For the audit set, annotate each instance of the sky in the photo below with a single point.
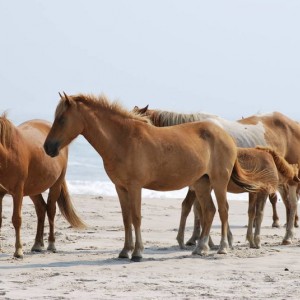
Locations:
(230, 58)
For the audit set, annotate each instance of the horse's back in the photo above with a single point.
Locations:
(35, 132)
(281, 133)
(36, 126)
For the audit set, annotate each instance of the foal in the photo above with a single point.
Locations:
(261, 158)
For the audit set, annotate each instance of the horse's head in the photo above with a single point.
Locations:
(66, 127)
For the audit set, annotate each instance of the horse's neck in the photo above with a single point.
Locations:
(105, 132)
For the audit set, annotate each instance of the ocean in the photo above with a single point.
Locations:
(86, 175)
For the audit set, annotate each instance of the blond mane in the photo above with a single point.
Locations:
(168, 118)
(5, 131)
(100, 102)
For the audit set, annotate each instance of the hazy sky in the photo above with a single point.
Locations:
(230, 58)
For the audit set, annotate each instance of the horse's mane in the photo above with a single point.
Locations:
(5, 130)
(167, 118)
(288, 170)
(100, 102)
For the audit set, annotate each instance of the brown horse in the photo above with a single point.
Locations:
(275, 130)
(138, 155)
(25, 170)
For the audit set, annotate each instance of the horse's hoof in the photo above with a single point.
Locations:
(18, 255)
(286, 242)
(123, 254)
(200, 252)
(52, 249)
(276, 224)
(37, 248)
(296, 225)
(222, 251)
(136, 258)
(190, 243)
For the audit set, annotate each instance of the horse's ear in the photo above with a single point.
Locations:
(68, 101)
(60, 95)
(143, 110)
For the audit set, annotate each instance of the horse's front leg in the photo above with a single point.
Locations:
(17, 222)
(135, 198)
(292, 200)
(41, 209)
(127, 221)
(261, 202)
(185, 210)
(273, 200)
(251, 218)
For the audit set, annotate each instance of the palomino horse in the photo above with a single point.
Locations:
(138, 155)
(275, 130)
(25, 170)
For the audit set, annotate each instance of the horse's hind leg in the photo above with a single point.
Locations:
(223, 212)
(127, 221)
(252, 207)
(292, 200)
(261, 201)
(40, 208)
(185, 210)
(197, 227)
(1, 198)
(54, 193)
(273, 200)
(17, 222)
(203, 191)
(296, 218)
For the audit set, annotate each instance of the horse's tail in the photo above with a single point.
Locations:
(289, 171)
(67, 209)
(254, 180)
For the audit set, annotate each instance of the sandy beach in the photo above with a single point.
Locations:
(86, 264)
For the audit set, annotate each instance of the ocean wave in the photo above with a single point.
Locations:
(107, 188)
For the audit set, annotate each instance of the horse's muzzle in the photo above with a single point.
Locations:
(51, 148)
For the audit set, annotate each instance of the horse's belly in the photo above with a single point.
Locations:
(41, 178)
(163, 187)
(169, 183)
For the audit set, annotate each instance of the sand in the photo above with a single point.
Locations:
(86, 264)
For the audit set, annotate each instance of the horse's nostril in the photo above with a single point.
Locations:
(51, 148)
(46, 148)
